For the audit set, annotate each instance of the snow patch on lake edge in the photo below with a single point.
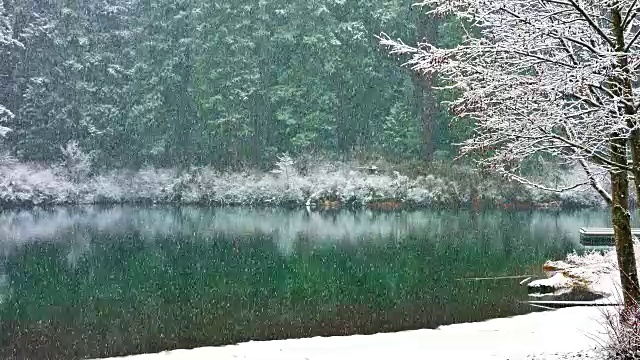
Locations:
(341, 184)
(597, 272)
(558, 334)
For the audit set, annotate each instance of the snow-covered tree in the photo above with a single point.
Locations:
(8, 45)
(553, 78)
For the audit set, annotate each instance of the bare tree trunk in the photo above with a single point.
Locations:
(427, 30)
(621, 221)
(634, 143)
(621, 86)
(428, 111)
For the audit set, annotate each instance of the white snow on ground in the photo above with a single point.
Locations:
(597, 271)
(557, 281)
(559, 334)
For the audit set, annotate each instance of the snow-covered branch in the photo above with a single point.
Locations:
(549, 76)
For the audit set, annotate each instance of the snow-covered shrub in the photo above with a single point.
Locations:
(150, 185)
(622, 326)
(146, 185)
(420, 197)
(103, 189)
(284, 168)
(6, 159)
(28, 184)
(76, 162)
(338, 183)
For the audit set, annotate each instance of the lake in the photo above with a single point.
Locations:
(86, 282)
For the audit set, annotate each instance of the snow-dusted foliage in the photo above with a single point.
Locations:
(323, 186)
(22, 184)
(76, 161)
(7, 45)
(5, 116)
(546, 77)
(146, 185)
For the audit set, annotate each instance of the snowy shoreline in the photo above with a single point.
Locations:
(596, 272)
(326, 186)
(567, 333)
(551, 335)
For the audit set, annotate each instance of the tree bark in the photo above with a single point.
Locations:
(427, 30)
(624, 88)
(621, 221)
(621, 86)
(634, 143)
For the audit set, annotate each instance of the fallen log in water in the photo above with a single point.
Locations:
(494, 278)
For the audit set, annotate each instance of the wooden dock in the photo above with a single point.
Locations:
(600, 236)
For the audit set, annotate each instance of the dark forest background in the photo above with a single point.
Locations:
(229, 83)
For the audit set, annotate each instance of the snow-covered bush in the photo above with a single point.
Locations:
(146, 185)
(6, 159)
(285, 169)
(27, 184)
(622, 326)
(336, 184)
(103, 189)
(76, 162)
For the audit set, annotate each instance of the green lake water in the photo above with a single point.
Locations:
(87, 282)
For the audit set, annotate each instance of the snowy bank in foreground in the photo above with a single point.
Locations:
(328, 185)
(595, 271)
(561, 334)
